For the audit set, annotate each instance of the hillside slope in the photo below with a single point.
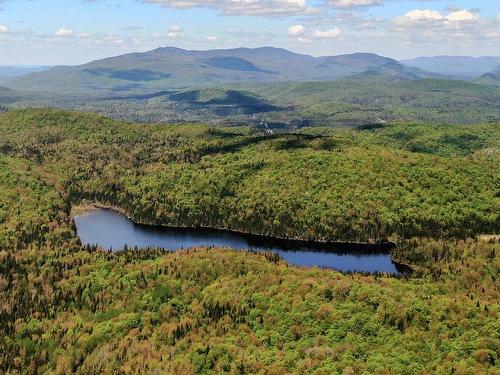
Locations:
(374, 97)
(461, 66)
(66, 308)
(492, 78)
(281, 185)
(173, 67)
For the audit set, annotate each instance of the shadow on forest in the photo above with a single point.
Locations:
(284, 142)
(230, 103)
(302, 141)
(141, 97)
(235, 146)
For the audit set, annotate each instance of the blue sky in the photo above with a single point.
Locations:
(76, 31)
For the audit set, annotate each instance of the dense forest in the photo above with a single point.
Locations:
(350, 102)
(362, 185)
(363, 99)
(66, 308)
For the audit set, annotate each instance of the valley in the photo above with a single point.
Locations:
(250, 211)
(252, 87)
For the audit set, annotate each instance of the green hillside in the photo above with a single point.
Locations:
(167, 68)
(363, 185)
(364, 99)
(492, 78)
(72, 309)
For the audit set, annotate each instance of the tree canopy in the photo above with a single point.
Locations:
(66, 308)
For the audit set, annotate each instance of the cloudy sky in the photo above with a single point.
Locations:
(50, 32)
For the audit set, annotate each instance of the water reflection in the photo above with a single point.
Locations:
(111, 230)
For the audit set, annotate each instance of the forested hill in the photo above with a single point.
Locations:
(370, 98)
(365, 185)
(374, 97)
(170, 67)
(461, 66)
(71, 309)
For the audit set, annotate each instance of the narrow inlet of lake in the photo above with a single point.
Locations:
(111, 230)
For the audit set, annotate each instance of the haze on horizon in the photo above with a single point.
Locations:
(41, 32)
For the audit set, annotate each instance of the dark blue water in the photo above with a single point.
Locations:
(111, 230)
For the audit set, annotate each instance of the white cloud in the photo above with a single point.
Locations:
(446, 32)
(303, 35)
(462, 15)
(108, 39)
(327, 34)
(428, 15)
(64, 33)
(303, 40)
(211, 38)
(424, 14)
(174, 31)
(3, 29)
(244, 7)
(348, 4)
(296, 30)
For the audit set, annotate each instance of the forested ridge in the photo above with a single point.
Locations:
(67, 308)
(348, 102)
(344, 186)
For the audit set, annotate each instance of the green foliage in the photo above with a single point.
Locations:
(348, 185)
(359, 100)
(29, 206)
(442, 140)
(72, 309)
(270, 318)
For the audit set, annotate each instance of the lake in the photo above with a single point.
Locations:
(112, 231)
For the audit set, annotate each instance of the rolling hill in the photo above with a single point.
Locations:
(20, 70)
(491, 78)
(373, 97)
(458, 66)
(174, 68)
(382, 95)
(8, 96)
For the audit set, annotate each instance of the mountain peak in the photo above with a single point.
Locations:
(172, 67)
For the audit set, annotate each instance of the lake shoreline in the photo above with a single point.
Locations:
(380, 247)
(109, 229)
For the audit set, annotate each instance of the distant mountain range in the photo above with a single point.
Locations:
(459, 66)
(165, 68)
(20, 70)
